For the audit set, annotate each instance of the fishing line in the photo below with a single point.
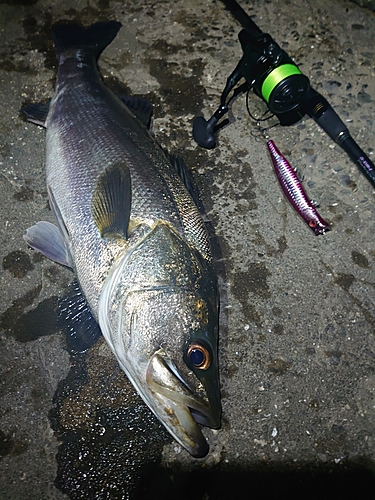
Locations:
(267, 115)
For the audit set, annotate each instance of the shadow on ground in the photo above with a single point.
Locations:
(350, 480)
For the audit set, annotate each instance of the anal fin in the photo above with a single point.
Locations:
(37, 113)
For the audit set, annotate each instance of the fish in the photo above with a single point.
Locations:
(129, 228)
(295, 192)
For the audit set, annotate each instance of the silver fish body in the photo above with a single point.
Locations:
(130, 230)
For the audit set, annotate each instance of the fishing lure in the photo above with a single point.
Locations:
(295, 192)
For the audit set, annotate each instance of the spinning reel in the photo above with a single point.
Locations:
(275, 78)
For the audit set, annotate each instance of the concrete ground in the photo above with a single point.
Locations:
(297, 345)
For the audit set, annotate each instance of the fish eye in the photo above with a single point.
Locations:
(199, 356)
(312, 223)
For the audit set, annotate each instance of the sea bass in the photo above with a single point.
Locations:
(129, 228)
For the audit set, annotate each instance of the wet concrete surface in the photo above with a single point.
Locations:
(297, 347)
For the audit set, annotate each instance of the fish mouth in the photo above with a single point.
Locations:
(178, 408)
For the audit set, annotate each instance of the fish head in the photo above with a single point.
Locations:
(182, 370)
(163, 330)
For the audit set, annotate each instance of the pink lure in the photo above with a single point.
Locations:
(295, 192)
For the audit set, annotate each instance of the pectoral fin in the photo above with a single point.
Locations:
(111, 202)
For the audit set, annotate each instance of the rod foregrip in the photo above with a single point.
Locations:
(326, 117)
(319, 108)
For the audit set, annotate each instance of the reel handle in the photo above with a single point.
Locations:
(204, 130)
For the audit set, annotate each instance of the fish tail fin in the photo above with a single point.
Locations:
(95, 38)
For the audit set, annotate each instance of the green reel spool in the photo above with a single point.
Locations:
(276, 76)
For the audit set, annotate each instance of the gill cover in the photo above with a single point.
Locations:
(158, 312)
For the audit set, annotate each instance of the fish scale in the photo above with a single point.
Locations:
(129, 228)
(70, 160)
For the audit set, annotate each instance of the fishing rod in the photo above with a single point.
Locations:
(275, 78)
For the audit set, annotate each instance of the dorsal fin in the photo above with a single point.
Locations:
(141, 107)
(185, 175)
